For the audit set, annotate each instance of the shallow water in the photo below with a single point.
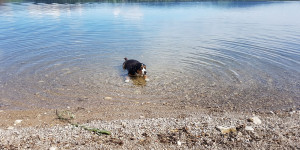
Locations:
(238, 55)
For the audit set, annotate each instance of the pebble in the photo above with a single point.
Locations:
(271, 112)
(249, 128)
(52, 148)
(179, 143)
(292, 112)
(10, 128)
(240, 134)
(137, 92)
(225, 130)
(108, 98)
(18, 121)
(255, 120)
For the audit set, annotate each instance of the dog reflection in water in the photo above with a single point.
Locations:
(136, 70)
(138, 80)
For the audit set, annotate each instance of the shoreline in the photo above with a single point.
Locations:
(149, 126)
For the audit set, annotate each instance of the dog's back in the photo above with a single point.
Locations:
(131, 65)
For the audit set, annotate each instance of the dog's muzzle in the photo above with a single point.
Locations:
(144, 71)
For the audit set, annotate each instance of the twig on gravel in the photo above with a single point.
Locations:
(94, 130)
(67, 116)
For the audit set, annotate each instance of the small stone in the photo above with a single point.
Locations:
(249, 128)
(179, 143)
(188, 128)
(131, 138)
(225, 130)
(292, 112)
(52, 148)
(137, 92)
(108, 98)
(142, 117)
(1, 111)
(255, 120)
(18, 121)
(10, 128)
(240, 134)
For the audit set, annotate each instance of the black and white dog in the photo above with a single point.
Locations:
(134, 68)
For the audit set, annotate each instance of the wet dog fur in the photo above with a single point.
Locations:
(134, 68)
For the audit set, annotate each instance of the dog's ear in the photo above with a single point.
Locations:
(138, 66)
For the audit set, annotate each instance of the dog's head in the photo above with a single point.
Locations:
(141, 69)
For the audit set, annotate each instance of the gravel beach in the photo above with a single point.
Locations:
(150, 126)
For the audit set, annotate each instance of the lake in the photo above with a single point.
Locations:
(236, 55)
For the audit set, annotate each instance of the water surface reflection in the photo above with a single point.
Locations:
(231, 54)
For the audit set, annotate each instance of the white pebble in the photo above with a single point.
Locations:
(18, 121)
(249, 128)
(255, 120)
(292, 112)
(52, 148)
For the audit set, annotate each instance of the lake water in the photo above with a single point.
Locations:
(236, 55)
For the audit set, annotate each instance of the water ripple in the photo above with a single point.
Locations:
(60, 54)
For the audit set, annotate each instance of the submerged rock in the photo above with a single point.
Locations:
(108, 98)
